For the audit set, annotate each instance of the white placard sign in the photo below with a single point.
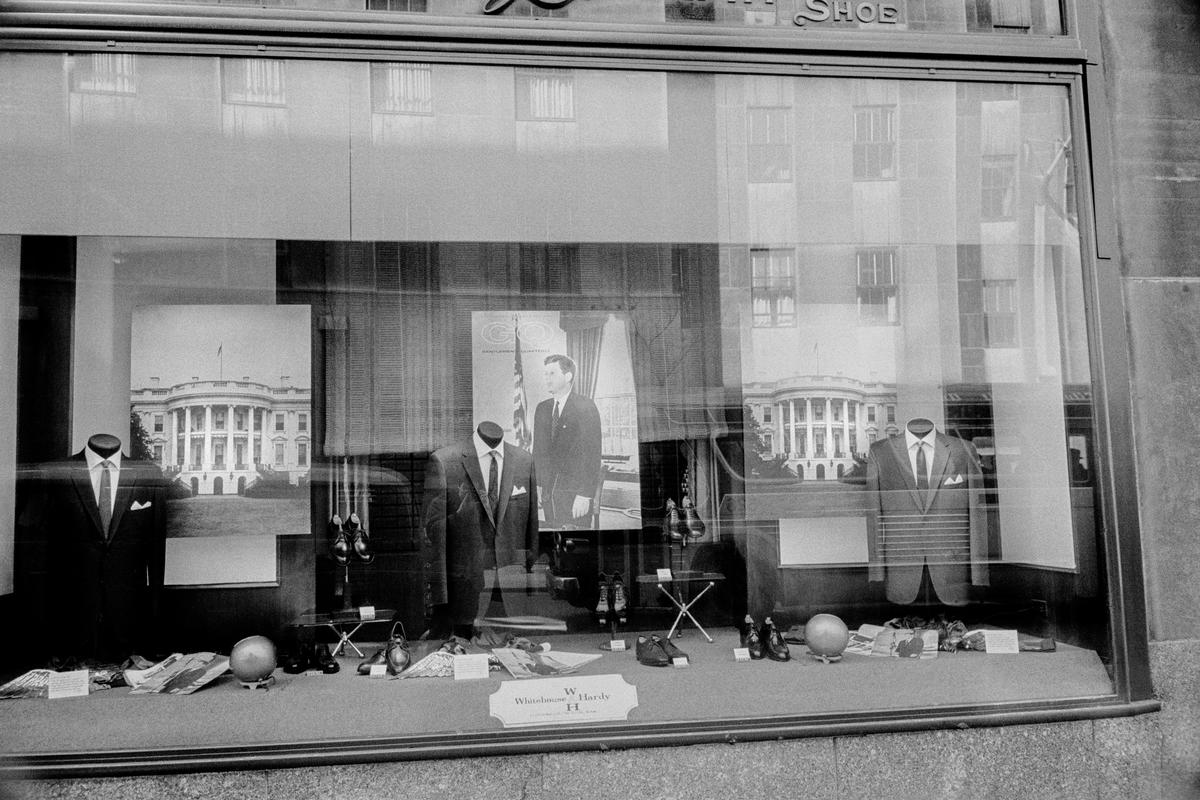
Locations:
(563, 701)
(68, 684)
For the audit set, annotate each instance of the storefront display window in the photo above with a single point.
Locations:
(744, 387)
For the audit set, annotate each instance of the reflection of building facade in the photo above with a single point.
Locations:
(220, 437)
(820, 423)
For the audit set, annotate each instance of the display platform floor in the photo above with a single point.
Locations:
(346, 706)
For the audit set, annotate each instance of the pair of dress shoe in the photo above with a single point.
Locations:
(350, 538)
(765, 641)
(612, 598)
(395, 655)
(655, 651)
(307, 657)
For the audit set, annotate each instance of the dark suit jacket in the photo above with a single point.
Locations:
(462, 539)
(944, 527)
(568, 457)
(99, 594)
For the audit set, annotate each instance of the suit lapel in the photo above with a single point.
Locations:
(471, 465)
(81, 477)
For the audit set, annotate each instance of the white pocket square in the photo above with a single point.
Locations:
(957, 479)
(518, 491)
(139, 506)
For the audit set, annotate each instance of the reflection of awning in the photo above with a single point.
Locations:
(982, 393)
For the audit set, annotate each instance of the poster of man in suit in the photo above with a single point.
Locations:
(572, 405)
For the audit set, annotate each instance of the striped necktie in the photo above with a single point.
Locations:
(105, 498)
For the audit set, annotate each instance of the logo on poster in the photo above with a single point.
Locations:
(533, 333)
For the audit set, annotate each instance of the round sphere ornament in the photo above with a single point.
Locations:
(252, 660)
(826, 637)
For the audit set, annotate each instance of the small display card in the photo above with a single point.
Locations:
(366, 612)
(68, 684)
(741, 654)
(563, 701)
(470, 666)
(664, 574)
(1001, 641)
(679, 662)
(616, 645)
(378, 671)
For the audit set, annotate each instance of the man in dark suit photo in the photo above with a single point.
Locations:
(480, 514)
(926, 512)
(566, 447)
(92, 536)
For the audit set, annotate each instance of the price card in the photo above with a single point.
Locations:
(616, 645)
(366, 612)
(741, 654)
(378, 671)
(68, 684)
(470, 666)
(1001, 642)
(679, 662)
(664, 574)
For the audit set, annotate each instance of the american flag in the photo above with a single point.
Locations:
(520, 424)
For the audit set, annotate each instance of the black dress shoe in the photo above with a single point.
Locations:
(397, 654)
(297, 661)
(323, 660)
(339, 548)
(670, 649)
(752, 641)
(777, 649)
(378, 658)
(650, 652)
(362, 547)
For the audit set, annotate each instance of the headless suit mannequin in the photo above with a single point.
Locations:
(492, 434)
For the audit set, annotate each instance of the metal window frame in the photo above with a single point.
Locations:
(1071, 60)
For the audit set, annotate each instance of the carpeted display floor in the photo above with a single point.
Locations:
(346, 706)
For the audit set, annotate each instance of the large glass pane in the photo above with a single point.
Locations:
(759, 348)
(938, 16)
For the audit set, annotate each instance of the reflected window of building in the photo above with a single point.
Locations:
(870, 413)
(104, 73)
(402, 89)
(874, 142)
(998, 179)
(1001, 16)
(690, 10)
(279, 454)
(769, 144)
(1000, 313)
(819, 412)
(158, 453)
(220, 420)
(158, 423)
(545, 94)
(773, 291)
(877, 286)
(279, 422)
(253, 81)
(414, 6)
(253, 97)
(766, 414)
(302, 422)
(301, 455)
(891, 415)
